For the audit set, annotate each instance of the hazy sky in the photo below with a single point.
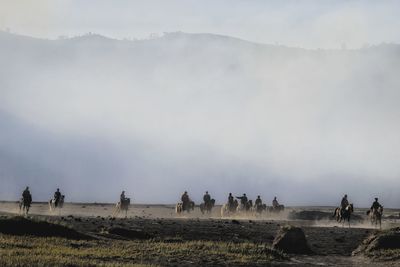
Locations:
(307, 23)
(201, 112)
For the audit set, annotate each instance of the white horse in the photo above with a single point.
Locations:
(60, 204)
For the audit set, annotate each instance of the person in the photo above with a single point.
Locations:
(230, 199)
(122, 197)
(185, 200)
(243, 200)
(26, 195)
(57, 197)
(275, 203)
(376, 205)
(207, 198)
(344, 203)
(258, 202)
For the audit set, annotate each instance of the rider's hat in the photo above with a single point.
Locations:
(376, 199)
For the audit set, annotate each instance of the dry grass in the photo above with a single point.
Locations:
(54, 251)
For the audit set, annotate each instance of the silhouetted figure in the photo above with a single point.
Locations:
(122, 197)
(344, 203)
(275, 203)
(185, 200)
(207, 198)
(376, 205)
(57, 197)
(26, 195)
(258, 201)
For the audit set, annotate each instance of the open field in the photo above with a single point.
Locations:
(154, 235)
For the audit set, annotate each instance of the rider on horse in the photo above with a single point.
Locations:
(207, 199)
(231, 202)
(185, 200)
(243, 200)
(343, 204)
(275, 203)
(57, 197)
(122, 198)
(258, 201)
(376, 205)
(26, 195)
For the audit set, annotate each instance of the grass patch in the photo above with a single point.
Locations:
(54, 251)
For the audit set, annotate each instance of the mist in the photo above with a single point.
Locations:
(95, 115)
(194, 112)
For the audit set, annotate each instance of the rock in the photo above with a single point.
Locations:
(389, 239)
(291, 240)
(235, 222)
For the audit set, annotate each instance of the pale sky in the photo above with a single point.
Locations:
(308, 23)
(201, 112)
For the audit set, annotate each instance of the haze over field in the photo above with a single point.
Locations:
(94, 115)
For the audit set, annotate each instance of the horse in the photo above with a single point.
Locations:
(122, 206)
(260, 208)
(60, 204)
(376, 216)
(246, 207)
(229, 209)
(344, 214)
(180, 208)
(207, 207)
(276, 209)
(24, 205)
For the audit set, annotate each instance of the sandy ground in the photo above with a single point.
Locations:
(331, 242)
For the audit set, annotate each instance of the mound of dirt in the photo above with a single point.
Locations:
(129, 233)
(310, 215)
(389, 239)
(291, 240)
(23, 226)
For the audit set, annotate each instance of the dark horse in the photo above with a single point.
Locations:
(24, 205)
(207, 207)
(343, 215)
(276, 209)
(181, 207)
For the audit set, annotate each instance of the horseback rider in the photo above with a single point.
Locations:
(26, 195)
(243, 200)
(185, 200)
(57, 197)
(343, 204)
(230, 199)
(376, 205)
(122, 197)
(207, 199)
(258, 202)
(275, 203)
(231, 202)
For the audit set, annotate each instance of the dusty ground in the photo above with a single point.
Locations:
(331, 242)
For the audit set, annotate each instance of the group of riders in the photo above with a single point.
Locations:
(56, 202)
(345, 210)
(234, 204)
